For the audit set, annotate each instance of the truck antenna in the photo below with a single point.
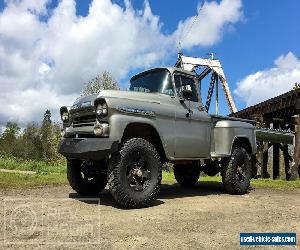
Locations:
(179, 47)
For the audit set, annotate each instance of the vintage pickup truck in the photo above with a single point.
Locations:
(122, 138)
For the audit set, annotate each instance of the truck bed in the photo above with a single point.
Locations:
(220, 117)
(262, 134)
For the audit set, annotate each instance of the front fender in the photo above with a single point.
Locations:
(119, 122)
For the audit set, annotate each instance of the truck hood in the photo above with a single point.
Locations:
(81, 101)
(115, 98)
(135, 96)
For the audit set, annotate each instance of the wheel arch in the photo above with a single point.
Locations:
(147, 132)
(243, 142)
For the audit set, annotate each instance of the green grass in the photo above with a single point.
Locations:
(8, 180)
(54, 173)
(269, 183)
(168, 177)
(47, 173)
(40, 167)
(13, 180)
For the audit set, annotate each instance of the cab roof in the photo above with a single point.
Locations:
(170, 69)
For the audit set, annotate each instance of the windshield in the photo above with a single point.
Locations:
(158, 81)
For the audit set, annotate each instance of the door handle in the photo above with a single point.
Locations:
(189, 114)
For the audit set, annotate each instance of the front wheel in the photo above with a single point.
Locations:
(135, 174)
(237, 172)
(86, 178)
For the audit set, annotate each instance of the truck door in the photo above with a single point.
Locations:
(192, 126)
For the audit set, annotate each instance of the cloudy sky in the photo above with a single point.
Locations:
(50, 48)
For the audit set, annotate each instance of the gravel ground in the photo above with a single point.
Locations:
(203, 217)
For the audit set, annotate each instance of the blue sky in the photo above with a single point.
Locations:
(268, 30)
(257, 42)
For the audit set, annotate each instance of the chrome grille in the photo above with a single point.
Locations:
(87, 120)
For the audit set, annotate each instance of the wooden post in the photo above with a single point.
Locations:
(265, 160)
(286, 157)
(275, 155)
(265, 152)
(276, 161)
(295, 164)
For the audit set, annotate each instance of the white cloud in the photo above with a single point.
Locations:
(208, 26)
(269, 83)
(47, 55)
(30, 104)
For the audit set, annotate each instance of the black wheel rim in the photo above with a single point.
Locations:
(138, 173)
(86, 172)
(241, 171)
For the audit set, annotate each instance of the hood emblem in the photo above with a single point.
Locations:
(137, 111)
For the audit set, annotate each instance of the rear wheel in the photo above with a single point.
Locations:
(186, 175)
(86, 178)
(135, 174)
(211, 168)
(237, 172)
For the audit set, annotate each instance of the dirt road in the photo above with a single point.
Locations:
(203, 217)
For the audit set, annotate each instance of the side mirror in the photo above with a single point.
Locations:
(187, 94)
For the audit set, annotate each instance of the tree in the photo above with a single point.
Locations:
(30, 143)
(11, 131)
(9, 137)
(100, 82)
(50, 135)
(35, 142)
(47, 116)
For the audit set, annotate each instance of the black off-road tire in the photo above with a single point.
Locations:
(80, 185)
(237, 172)
(121, 179)
(211, 168)
(186, 175)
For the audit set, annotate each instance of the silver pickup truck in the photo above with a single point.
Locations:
(122, 138)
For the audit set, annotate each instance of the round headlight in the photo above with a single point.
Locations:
(101, 109)
(65, 116)
(98, 130)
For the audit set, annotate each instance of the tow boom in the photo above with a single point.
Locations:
(192, 63)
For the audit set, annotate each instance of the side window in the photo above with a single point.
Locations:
(183, 82)
(167, 86)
